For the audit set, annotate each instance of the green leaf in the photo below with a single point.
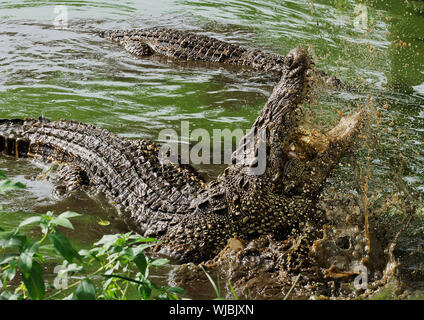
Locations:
(48, 215)
(7, 295)
(70, 297)
(48, 247)
(34, 282)
(147, 240)
(84, 253)
(103, 223)
(145, 290)
(9, 273)
(141, 263)
(292, 287)
(215, 287)
(141, 247)
(107, 240)
(166, 296)
(177, 290)
(7, 185)
(64, 222)
(232, 290)
(86, 290)
(30, 220)
(33, 249)
(25, 263)
(159, 262)
(69, 215)
(8, 257)
(2, 175)
(73, 267)
(5, 235)
(63, 246)
(127, 252)
(63, 219)
(12, 240)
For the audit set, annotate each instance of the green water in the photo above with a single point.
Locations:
(375, 47)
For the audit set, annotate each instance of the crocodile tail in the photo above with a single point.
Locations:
(129, 173)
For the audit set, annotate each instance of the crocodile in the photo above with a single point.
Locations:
(189, 46)
(272, 185)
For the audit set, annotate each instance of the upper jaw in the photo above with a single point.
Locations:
(310, 142)
(313, 154)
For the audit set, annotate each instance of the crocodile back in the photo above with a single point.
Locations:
(185, 45)
(151, 195)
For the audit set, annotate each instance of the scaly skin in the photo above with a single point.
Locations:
(172, 202)
(155, 195)
(185, 45)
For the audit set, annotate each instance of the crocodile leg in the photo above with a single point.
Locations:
(71, 178)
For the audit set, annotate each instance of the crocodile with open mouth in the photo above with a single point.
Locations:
(272, 186)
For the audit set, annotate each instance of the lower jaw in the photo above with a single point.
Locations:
(310, 141)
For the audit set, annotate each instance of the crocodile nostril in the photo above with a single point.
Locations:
(343, 242)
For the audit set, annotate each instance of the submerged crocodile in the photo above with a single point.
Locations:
(194, 219)
(185, 45)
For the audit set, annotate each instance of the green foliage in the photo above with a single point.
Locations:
(7, 184)
(291, 288)
(34, 282)
(388, 292)
(86, 290)
(119, 260)
(232, 290)
(106, 271)
(215, 286)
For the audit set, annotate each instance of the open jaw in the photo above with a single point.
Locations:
(310, 141)
(312, 153)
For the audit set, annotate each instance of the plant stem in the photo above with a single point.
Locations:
(292, 287)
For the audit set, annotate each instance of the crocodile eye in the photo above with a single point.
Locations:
(343, 242)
